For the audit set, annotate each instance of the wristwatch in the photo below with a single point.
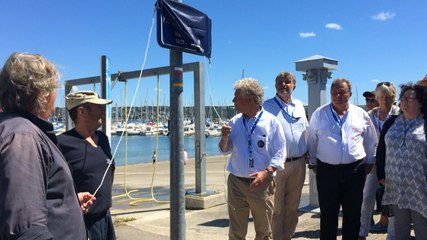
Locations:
(270, 172)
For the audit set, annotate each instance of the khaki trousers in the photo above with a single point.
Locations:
(289, 184)
(242, 201)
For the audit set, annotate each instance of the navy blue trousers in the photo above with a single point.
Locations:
(340, 186)
(100, 228)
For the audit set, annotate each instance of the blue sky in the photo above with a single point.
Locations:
(373, 41)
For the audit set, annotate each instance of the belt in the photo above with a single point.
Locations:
(344, 165)
(244, 179)
(294, 158)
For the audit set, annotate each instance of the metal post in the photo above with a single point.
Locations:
(316, 72)
(200, 145)
(68, 121)
(105, 93)
(316, 98)
(177, 186)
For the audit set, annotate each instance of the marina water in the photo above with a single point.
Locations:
(140, 148)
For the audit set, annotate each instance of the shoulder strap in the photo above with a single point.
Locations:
(425, 125)
(381, 148)
(388, 123)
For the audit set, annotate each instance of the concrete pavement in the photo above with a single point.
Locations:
(140, 210)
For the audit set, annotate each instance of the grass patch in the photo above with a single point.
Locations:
(122, 221)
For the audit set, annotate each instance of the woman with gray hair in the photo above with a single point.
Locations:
(37, 199)
(385, 93)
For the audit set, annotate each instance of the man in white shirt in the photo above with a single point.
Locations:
(290, 181)
(255, 139)
(341, 142)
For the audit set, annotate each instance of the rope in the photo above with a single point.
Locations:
(127, 193)
(127, 115)
(221, 120)
(153, 197)
(210, 93)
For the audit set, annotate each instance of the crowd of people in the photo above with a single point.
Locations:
(357, 154)
(60, 187)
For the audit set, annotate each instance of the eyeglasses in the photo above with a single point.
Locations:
(333, 93)
(408, 99)
(91, 106)
(244, 98)
(370, 100)
(388, 84)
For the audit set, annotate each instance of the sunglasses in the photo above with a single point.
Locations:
(388, 84)
(370, 100)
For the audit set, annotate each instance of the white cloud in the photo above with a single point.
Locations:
(375, 80)
(384, 16)
(335, 26)
(307, 34)
(74, 89)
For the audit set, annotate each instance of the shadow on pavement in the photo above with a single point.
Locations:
(223, 223)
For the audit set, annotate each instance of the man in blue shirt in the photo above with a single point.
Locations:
(289, 182)
(255, 139)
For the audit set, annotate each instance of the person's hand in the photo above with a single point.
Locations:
(382, 181)
(260, 177)
(368, 168)
(86, 200)
(313, 167)
(225, 130)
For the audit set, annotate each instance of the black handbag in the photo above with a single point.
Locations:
(387, 210)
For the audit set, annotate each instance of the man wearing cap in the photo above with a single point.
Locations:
(88, 152)
(371, 101)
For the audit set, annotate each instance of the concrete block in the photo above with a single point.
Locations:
(204, 200)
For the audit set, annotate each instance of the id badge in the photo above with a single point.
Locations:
(251, 162)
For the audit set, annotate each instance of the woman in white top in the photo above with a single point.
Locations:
(385, 93)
